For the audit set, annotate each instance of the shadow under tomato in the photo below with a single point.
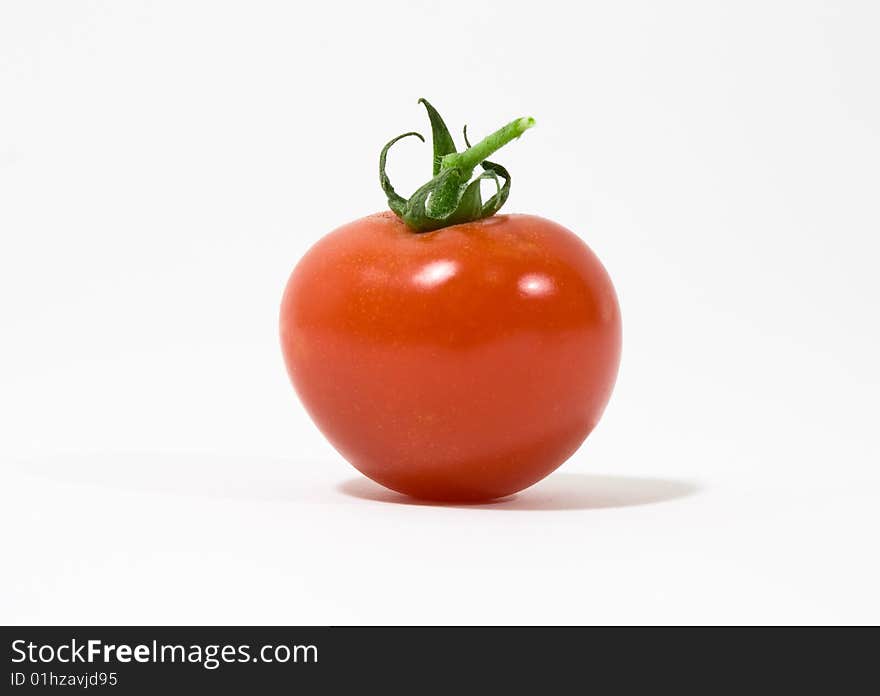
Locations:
(561, 491)
(280, 480)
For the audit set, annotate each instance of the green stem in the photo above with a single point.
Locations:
(468, 160)
(450, 197)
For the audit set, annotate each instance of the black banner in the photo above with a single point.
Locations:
(150, 660)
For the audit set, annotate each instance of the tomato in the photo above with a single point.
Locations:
(447, 352)
(460, 364)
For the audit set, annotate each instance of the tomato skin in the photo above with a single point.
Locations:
(462, 364)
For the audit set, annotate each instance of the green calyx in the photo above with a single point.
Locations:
(451, 198)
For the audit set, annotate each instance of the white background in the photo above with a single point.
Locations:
(162, 167)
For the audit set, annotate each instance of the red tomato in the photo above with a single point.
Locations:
(462, 364)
